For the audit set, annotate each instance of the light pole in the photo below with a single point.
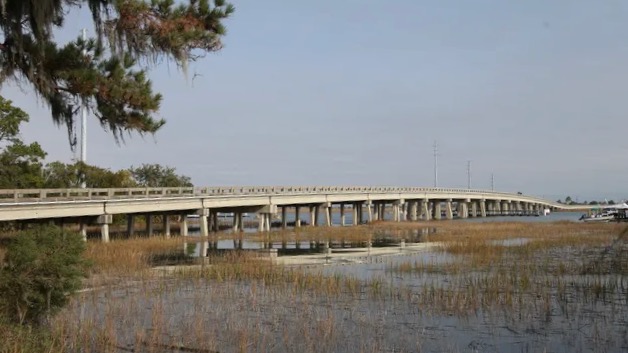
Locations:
(435, 164)
(469, 175)
(84, 123)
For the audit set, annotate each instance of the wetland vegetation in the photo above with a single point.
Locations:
(477, 287)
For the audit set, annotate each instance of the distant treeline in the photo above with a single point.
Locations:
(569, 201)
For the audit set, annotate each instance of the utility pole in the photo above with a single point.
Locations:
(492, 182)
(469, 175)
(84, 124)
(435, 164)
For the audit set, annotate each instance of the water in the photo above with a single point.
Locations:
(552, 217)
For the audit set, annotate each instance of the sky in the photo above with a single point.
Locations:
(533, 93)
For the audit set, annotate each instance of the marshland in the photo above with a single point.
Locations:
(454, 287)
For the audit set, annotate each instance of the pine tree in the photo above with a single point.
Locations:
(110, 78)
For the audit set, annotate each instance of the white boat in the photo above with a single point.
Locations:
(607, 213)
(605, 216)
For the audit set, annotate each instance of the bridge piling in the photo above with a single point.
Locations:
(104, 221)
(342, 215)
(166, 224)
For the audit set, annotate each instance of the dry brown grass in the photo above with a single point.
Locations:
(129, 256)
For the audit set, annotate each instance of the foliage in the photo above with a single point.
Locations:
(61, 175)
(104, 72)
(155, 175)
(41, 267)
(20, 163)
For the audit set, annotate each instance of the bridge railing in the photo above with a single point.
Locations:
(42, 195)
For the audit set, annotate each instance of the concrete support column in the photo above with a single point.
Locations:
(355, 213)
(449, 213)
(327, 210)
(130, 225)
(184, 225)
(505, 208)
(413, 211)
(474, 209)
(437, 210)
(261, 225)
(166, 225)
(403, 210)
(425, 209)
(342, 214)
(104, 221)
(382, 211)
(83, 229)
(369, 211)
(149, 224)
(497, 208)
(297, 216)
(482, 208)
(235, 225)
(284, 217)
(463, 209)
(395, 212)
(215, 222)
(312, 216)
(360, 213)
(375, 211)
(202, 218)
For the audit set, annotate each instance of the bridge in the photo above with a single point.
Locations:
(98, 206)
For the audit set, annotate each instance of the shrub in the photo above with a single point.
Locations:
(42, 266)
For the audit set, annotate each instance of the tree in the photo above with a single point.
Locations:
(41, 267)
(61, 175)
(20, 163)
(155, 175)
(568, 200)
(103, 72)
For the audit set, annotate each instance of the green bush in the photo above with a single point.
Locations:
(42, 267)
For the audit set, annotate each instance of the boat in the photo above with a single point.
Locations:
(606, 214)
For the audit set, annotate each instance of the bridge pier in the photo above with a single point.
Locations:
(313, 214)
(202, 213)
(413, 210)
(354, 215)
(215, 223)
(425, 209)
(449, 213)
(297, 216)
(149, 224)
(104, 221)
(183, 225)
(130, 225)
(342, 215)
(369, 211)
(474, 209)
(505, 208)
(83, 229)
(437, 210)
(166, 225)
(284, 217)
(482, 208)
(463, 209)
(327, 211)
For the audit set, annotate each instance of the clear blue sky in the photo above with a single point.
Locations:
(356, 92)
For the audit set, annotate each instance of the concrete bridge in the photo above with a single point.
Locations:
(97, 206)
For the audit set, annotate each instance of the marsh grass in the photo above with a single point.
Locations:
(553, 283)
